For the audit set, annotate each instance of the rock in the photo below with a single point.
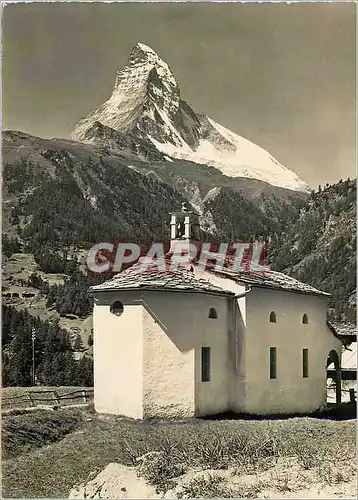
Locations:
(115, 481)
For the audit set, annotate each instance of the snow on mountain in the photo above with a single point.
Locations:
(146, 114)
(244, 159)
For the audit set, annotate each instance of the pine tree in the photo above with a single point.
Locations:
(90, 338)
(20, 361)
(78, 344)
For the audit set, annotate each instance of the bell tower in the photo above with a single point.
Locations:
(185, 228)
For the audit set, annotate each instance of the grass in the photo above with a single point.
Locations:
(248, 446)
(25, 432)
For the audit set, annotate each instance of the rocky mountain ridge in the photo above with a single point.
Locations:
(147, 116)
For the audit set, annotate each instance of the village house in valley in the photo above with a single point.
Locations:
(192, 342)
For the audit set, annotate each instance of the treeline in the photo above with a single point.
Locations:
(54, 360)
(71, 297)
(61, 217)
(239, 218)
(22, 174)
(87, 202)
(52, 261)
(10, 245)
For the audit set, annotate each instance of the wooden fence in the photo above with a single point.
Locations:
(47, 398)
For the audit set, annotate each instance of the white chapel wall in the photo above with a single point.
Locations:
(290, 392)
(118, 356)
(172, 354)
(236, 359)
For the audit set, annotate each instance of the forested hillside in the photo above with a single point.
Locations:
(54, 360)
(319, 247)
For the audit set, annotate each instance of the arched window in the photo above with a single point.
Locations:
(305, 319)
(213, 314)
(272, 317)
(117, 308)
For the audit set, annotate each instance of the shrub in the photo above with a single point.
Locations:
(159, 468)
(212, 485)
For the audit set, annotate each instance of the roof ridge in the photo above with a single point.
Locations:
(145, 272)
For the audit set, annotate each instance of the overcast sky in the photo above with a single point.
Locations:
(280, 75)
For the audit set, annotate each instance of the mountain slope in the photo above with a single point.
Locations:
(64, 194)
(102, 183)
(146, 113)
(319, 247)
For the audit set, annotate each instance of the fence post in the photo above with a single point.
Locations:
(57, 397)
(352, 397)
(30, 398)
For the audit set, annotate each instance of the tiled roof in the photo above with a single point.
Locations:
(181, 278)
(265, 279)
(346, 333)
(154, 278)
(344, 328)
(272, 279)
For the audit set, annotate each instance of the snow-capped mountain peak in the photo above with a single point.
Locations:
(146, 106)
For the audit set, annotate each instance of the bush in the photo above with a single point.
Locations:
(209, 486)
(159, 468)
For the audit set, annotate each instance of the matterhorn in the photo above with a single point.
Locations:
(146, 116)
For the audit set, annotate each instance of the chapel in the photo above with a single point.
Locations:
(186, 341)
